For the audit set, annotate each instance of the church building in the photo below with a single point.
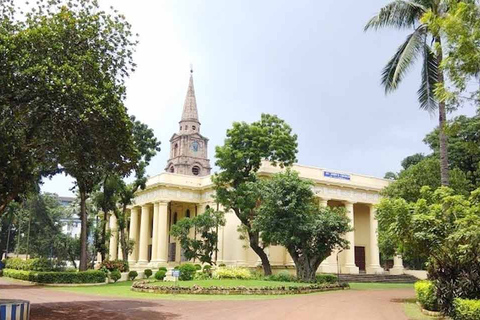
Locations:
(185, 190)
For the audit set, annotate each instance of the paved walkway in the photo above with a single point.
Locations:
(339, 305)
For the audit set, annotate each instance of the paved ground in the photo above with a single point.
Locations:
(339, 305)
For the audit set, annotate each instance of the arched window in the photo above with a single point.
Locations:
(175, 218)
(187, 214)
(193, 128)
(180, 128)
(172, 169)
(196, 170)
(175, 150)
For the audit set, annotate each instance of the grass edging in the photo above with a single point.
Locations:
(146, 286)
(435, 314)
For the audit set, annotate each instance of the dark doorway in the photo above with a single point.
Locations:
(360, 258)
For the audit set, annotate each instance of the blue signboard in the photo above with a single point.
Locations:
(335, 175)
(176, 273)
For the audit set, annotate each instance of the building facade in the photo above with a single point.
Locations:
(185, 190)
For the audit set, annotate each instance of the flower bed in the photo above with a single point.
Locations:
(147, 286)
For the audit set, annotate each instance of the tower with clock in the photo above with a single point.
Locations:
(188, 148)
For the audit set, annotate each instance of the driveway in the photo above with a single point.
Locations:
(337, 305)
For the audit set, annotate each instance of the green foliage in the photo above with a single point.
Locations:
(187, 271)
(163, 268)
(207, 269)
(204, 245)
(148, 273)
(425, 293)
(326, 278)
(239, 160)
(198, 266)
(115, 275)
(232, 273)
(222, 265)
(289, 216)
(466, 309)
(283, 276)
(90, 276)
(37, 264)
(112, 265)
(132, 275)
(160, 274)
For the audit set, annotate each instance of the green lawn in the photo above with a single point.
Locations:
(374, 285)
(413, 312)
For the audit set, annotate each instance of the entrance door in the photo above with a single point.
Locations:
(360, 258)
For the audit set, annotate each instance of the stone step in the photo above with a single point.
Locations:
(378, 278)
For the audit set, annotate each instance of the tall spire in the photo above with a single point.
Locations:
(190, 112)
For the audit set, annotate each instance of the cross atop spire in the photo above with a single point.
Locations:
(190, 112)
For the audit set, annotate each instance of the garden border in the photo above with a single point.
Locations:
(144, 286)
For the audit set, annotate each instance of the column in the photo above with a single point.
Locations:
(144, 235)
(133, 234)
(397, 265)
(112, 251)
(350, 266)
(374, 264)
(155, 234)
(162, 229)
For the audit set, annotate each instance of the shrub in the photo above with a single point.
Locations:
(466, 309)
(115, 275)
(163, 268)
(221, 265)
(90, 276)
(284, 276)
(187, 271)
(148, 273)
(132, 275)
(207, 269)
(112, 265)
(36, 264)
(326, 278)
(198, 266)
(160, 275)
(232, 273)
(426, 294)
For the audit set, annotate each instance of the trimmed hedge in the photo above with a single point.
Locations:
(187, 271)
(232, 273)
(160, 275)
(466, 309)
(426, 295)
(90, 276)
(132, 275)
(36, 264)
(326, 278)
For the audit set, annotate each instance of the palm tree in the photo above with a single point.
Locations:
(422, 42)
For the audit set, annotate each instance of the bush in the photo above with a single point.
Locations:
(148, 273)
(466, 309)
(115, 275)
(90, 276)
(36, 264)
(284, 276)
(221, 265)
(112, 265)
(207, 269)
(232, 273)
(425, 292)
(187, 271)
(163, 269)
(326, 278)
(198, 267)
(132, 275)
(160, 275)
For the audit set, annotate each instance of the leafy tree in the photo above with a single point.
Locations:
(402, 14)
(412, 160)
(444, 227)
(204, 245)
(240, 158)
(425, 173)
(289, 216)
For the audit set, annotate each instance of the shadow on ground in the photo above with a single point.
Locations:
(103, 309)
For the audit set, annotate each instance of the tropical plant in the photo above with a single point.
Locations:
(423, 42)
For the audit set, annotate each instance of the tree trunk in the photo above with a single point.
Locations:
(83, 231)
(255, 245)
(123, 243)
(306, 267)
(442, 119)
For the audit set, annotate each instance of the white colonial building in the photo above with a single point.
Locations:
(185, 190)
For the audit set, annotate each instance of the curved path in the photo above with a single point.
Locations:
(338, 305)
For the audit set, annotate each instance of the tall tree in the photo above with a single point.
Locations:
(239, 160)
(289, 216)
(403, 14)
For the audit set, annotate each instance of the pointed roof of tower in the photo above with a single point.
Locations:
(190, 112)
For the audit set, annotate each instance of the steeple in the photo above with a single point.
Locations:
(190, 112)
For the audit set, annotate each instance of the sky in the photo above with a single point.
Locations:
(307, 61)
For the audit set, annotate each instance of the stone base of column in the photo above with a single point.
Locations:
(397, 270)
(375, 269)
(142, 263)
(350, 269)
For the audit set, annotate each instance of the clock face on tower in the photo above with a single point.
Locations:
(195, 146)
